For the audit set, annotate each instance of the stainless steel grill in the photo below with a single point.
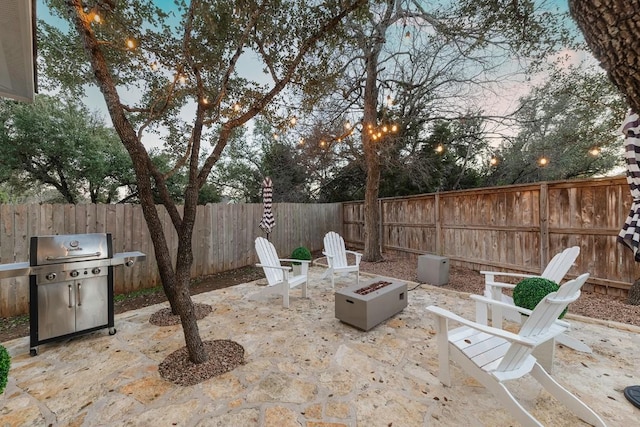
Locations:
(70, 285)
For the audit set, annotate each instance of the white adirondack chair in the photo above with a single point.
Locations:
(336, 254)
(555, 271)
(280, 278)
(494, 356)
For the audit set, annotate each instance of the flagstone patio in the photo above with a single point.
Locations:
(303, 368)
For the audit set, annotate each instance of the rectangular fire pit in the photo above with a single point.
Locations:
(366, 305)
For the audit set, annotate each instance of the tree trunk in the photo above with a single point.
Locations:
(612, 30)
(371, 46)
(372, 250)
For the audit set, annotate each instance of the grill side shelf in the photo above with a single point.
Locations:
(15, 269)
(127, 258)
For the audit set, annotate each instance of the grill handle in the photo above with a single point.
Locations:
(61, 258)
(79, 297)
(70, 306)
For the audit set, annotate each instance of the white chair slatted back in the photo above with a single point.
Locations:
(560, 264)
(540, 320)
(268, 256)
(334, 245)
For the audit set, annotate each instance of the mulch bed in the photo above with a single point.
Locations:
(224, 356)
(164, 316)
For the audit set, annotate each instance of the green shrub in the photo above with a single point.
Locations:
(5, 364)
(301, 253)
(530, 291)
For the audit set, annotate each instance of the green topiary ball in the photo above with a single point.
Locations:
(5, 364)
(301, 253)
(530, 291)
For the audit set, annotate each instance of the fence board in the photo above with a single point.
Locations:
(8, 292)
(81, 219)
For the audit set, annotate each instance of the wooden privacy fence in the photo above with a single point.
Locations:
(516, 228)
(223, 238)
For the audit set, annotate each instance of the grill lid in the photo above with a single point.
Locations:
(66, 248)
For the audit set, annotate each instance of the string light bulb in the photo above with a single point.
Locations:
(493, 161)
(439, 149)
(594, 151)
(347, 125)
(154, 66)
(293, 120)
(394, 128)
(130, 43)
(543, 161)
(182, 79)
(236, 107)
(96, 18)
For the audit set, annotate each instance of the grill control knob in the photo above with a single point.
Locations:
(51, 276)
(95, 270)
(74, 273)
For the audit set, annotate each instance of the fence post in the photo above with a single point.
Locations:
(439, 249)
(544, 224)
(380, 226)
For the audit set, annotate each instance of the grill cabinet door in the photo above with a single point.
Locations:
(56, 309)
(91, 302)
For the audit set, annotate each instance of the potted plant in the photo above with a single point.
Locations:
(530, 291)
(5, 364)
(301, 253)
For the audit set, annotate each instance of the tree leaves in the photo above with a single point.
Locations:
(62, 145)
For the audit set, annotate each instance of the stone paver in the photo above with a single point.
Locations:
(303, 368)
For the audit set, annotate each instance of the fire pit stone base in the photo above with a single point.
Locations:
(366, 305)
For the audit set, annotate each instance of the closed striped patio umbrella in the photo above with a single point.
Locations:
(268, 221)
(630, 233)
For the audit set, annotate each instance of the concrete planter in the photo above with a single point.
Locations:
(366, 311)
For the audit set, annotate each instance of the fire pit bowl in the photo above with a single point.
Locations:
(366, 305)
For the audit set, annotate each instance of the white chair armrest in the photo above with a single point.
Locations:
(274, 267)
(507, 274)
(500, 285)
(510, 336)
(495, 303)
(302, 261)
